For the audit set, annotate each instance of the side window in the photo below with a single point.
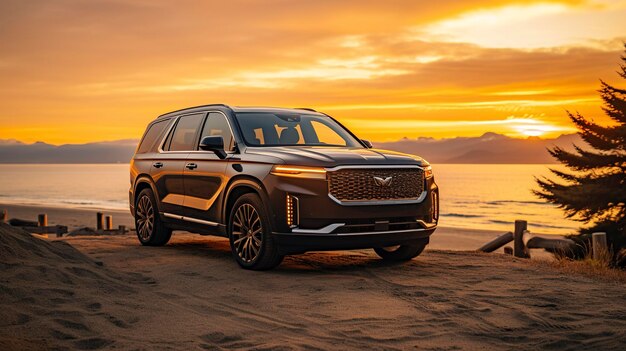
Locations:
(151, 136)
(216, 124)
(184, 136)
(326, 135)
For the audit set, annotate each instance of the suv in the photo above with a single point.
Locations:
(278, 181)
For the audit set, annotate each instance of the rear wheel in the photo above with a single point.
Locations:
(251, 240)
(400, 252)
(150, 230)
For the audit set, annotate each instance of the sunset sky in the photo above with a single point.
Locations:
(81, 71)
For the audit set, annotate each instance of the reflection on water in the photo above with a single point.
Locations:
(493, 196)
(472, 196)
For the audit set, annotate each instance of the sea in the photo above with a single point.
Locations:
(471, 196)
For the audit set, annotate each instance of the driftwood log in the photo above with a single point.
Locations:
(59, 230)
(497, 243)
(17, 222)
(554, 245)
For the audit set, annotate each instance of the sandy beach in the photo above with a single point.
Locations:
(108, 292)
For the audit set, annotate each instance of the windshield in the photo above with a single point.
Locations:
(275, 129)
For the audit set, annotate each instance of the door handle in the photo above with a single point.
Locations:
(191, 166)
(157, 165)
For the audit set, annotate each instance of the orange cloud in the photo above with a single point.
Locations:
(75, 71)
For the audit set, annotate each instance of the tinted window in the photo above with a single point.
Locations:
(184, 136)
(151, 136)
(272, 129)
(216, 124)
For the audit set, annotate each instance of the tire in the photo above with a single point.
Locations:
(150, 230)
(401, 252)
(251, 241)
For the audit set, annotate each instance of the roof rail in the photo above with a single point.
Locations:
(190, 108)
(305, 108)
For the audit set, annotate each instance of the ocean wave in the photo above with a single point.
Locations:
(460, 215)
(525, 202)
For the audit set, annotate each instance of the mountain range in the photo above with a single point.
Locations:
(488, 148)
(120, 151)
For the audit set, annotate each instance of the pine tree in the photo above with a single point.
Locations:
(594, 192)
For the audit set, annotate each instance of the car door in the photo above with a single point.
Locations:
(205, 171)
(167, 171)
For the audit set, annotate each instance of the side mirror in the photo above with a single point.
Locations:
(367, 143)
(214, 143)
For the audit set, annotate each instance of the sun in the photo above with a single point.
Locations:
(531, 127)
(533, 132)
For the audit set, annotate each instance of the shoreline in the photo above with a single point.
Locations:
(444, 238)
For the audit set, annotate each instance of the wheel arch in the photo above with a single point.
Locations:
(144, 182)
(245, 185)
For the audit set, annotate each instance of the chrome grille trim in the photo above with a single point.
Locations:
(378, 201)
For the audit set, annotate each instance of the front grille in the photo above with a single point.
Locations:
(354, 184)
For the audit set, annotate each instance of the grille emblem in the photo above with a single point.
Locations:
(383, 182)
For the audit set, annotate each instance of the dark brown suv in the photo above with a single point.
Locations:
(276, 182)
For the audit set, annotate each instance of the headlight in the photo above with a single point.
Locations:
(299, 172)
(428, 172)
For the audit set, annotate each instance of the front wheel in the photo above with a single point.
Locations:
(251, 240)
(400, 252)
(150, 230)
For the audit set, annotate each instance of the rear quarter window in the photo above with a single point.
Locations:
(155, 131)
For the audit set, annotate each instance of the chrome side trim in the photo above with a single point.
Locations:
(190, 219)
(419, 199)
(325, 230)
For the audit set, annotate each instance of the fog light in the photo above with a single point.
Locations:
(293, 215)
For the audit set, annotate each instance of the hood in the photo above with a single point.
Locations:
(320, 156)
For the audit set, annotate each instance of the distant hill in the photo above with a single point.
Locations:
(488, 148)
(120, 151)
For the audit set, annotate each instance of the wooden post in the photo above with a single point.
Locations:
(109, 222)
(4, 216)
(519, 249)
(60, 230)
(497, 243)
(599, 244)
(42, 220)
(99, 221)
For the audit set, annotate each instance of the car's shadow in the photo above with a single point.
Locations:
(327, 261)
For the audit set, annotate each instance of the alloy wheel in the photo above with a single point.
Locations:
(145, 218)
(247, 232)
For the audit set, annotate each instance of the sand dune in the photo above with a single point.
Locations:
(113, 294)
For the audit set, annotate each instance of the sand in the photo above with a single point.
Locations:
(108, 292)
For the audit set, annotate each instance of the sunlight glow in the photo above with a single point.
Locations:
(533, 25)
(512, 126)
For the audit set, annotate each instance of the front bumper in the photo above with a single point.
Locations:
(328, 239)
